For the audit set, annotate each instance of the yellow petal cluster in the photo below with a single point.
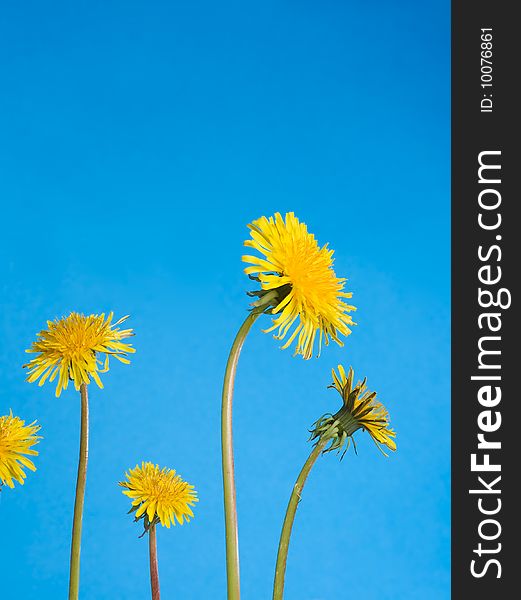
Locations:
(69, 349)
(160, 494)
(16, 441)
(293, 261)
(369, 413)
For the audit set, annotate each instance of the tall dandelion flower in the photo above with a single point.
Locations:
(360, 410)
(298, 281)
(16, 444)
(70, 349)
(159, 496)
(301, 291)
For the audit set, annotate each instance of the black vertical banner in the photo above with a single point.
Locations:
(485, 268)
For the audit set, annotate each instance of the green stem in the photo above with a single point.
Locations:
(230, 500)
(282, 555)
(154, 572)
(74, 580)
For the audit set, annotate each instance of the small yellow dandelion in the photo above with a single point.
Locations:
(305, 286)
(16, 441)
(159, 495)
(360, 410)
(69, 349)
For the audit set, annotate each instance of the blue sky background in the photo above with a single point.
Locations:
(137, 140)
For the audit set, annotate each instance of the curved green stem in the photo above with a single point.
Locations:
(154, 572)
(74, 579)
(282, 555)
(230, 501)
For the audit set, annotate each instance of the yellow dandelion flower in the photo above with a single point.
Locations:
(69, 349)
(361, 410)
(159, 495)
(16, 441)
(304, 286)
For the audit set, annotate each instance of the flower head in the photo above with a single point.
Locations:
(70, 347)
(158, 495)
(16, 440)
(360, 410)
(298, 283)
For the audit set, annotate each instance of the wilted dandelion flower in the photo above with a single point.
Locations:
(298, 283)
(159, 495)
(70, 347)
(16, 441)
(360, 410)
